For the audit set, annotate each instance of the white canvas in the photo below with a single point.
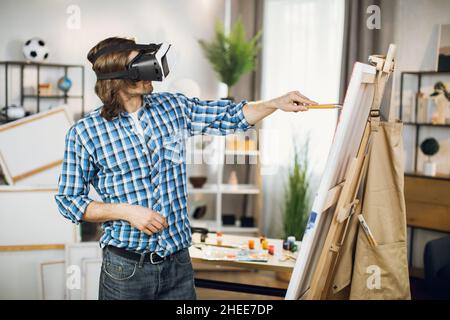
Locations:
(345, 146)
(33, 143)
(29, 216)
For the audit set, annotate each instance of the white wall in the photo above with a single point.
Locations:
(417, 25)
(178, 22)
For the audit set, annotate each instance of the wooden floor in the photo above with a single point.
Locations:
(261, 278)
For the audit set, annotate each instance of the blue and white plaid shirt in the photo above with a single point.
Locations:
(149, 171)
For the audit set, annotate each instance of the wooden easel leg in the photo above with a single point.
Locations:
(318, 287)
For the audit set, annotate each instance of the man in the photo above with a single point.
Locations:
(131, 151)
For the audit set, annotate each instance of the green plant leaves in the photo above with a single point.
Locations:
(296, 199)
(231, 56)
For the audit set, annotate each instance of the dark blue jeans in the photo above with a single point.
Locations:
(125, 279)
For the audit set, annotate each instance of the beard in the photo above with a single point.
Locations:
(140, 88)
(147, 87)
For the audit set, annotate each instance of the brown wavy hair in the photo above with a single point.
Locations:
(108, 90)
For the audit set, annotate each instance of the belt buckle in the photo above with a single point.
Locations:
(153, 262)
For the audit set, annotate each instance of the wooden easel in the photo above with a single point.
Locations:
(344, 197)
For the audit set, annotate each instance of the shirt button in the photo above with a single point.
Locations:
(144, 151)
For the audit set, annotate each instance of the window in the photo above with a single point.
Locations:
(302, 47)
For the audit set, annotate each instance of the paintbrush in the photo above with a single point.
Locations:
(325, 106)
(217, 245)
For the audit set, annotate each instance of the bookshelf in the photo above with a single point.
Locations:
(215, 162)
(419, 77)
(22, 65)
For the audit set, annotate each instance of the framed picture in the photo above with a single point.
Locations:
(53, 280)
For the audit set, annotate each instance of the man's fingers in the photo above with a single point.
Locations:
(152, 228)
(299, 104)
(298, 107)
(158, 225)
(306, 99)
(159, 218)
(303, 99)
(147, 231)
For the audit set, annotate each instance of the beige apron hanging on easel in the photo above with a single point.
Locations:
(378, 272)
(381, 272)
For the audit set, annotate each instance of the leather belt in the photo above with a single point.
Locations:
(151, 257)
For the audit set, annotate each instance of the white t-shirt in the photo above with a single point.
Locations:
(136, 123)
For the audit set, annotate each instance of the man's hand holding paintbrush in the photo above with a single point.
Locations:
(291, 102)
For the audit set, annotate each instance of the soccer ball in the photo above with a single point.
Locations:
(35, 50)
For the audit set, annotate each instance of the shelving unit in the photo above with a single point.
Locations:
(419, 75)
(38, 97)
(219, 188)
(424, 195)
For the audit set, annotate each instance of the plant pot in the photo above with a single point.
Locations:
(429, 168)
(247, 222)
(228, 219)
(197, 182)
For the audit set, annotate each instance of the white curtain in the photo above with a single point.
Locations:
(302, 45)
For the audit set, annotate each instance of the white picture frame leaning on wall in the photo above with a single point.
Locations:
(34, 146)
(52, 280)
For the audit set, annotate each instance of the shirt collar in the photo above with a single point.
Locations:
(139, 112)
(145, 104)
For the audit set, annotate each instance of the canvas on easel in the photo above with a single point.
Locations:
(348, 133)
(335, 202)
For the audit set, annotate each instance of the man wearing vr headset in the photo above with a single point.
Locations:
(131, 151)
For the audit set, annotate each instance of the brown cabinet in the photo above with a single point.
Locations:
(427, 203)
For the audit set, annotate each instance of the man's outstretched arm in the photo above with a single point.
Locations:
(223, 117)
(293, 101)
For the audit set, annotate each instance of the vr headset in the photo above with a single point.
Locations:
(150, 64)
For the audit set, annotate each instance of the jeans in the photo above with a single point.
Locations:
(126, 279)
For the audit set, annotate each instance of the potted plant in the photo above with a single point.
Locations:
(231, 55)
(296, 198)
(296, 204)
(429, 147)
(441, 97)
